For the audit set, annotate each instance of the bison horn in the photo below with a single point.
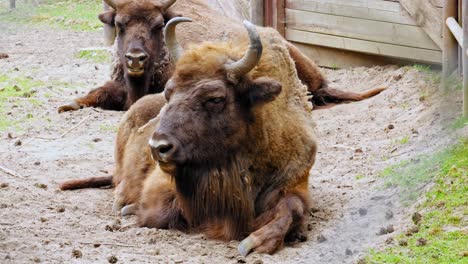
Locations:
(111, 3)
(167, 4)
(175, 50)
(251, 57)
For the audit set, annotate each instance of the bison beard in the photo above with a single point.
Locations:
(216, 198)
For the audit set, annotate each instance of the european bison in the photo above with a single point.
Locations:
(234, 142)
(141, 65)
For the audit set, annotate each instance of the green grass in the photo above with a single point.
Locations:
(444, 210)
(98, 56)
(422, 68)
(15, 91)
(359, 177)
(453, 83)
(108, 128)
(404, 140)
(67, 14)
(432, 76)
(459, 123)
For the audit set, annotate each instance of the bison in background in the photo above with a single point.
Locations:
(142, 66)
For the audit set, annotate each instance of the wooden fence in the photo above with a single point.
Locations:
(340, 32)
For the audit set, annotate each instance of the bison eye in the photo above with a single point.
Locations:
(120, 27)
(158, 26)
(215, 104)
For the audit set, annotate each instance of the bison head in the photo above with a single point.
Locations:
(210, 100)
(139, 26)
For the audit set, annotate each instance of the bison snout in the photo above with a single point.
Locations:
(162, 150)
(136, 62)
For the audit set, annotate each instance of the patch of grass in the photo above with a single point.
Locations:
(404, 140)
(15, 91)
(453, 83)
(444, 210)
(68, 14)
(360, 176)
(460, 122)
(422, 68)
(432, 76)
(98, 56)
(410, 175)
(108, 128)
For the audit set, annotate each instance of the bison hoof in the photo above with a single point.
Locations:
(246, 246)
(69, 107)
(130, 209)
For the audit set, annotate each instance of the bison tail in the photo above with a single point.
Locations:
(92, 182)
(327, 97)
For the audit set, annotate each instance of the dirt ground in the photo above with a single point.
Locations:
(39, 223)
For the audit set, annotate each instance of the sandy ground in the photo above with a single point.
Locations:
(39, 223)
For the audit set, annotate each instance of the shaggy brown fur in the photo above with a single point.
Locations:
(241, 169)
(252, 181)
(208, 24)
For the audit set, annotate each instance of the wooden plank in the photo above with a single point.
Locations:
(450, 50)
(427, 16)
(425, 55)
(372, 4)
(437, 3)
(338, 58)
(400, 17)
(405, 35)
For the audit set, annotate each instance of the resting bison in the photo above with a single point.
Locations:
(141, 65)
(234, 144)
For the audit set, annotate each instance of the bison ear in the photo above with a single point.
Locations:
(107, 17)
(263, 90)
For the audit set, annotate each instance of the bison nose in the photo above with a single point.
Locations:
(136, 59)
(162, 150)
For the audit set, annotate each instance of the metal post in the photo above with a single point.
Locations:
(465, 58)
(450, 50)
(256, 12)
(12, 4)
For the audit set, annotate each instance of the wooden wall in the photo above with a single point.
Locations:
(375, 27)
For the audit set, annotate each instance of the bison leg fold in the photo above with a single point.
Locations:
(158, 206)
(287, 215)
(110, 96)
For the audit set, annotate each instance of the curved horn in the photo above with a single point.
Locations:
(167, 4)
(175, 50)
(251, 57)
(111, 3)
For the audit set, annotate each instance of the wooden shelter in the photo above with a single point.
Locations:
(346, 33)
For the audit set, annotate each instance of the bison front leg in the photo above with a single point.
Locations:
(158, 206)
(287, 216)
(110, 96)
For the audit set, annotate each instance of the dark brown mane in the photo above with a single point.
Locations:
(218, 197)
